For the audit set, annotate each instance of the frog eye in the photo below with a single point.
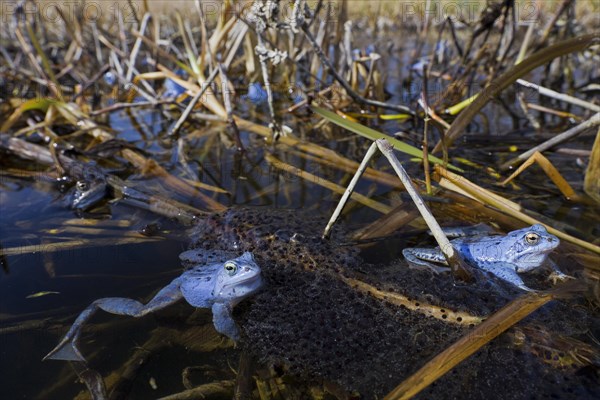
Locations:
(532, 238)
(81, 185)
(231, 268)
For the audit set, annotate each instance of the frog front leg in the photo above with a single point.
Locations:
(423, 258)
(556, 275)
(223, 321)
(505, 271)
(67, 347)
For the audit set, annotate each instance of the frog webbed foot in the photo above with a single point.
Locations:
(67, 348)
(223, 321)
(557, 276)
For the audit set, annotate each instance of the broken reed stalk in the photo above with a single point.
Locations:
(457, 265)
(525, 108)
(229, 108)
(425, 106)
(262, 59)
(526, 42)
(136, 48)
(552, 111)
(359, 171)
(550, 171)
(426, 158)
(591, 183)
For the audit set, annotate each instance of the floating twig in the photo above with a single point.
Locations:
(576, 130)
(559, 96)
(75, 244)
(419, 306)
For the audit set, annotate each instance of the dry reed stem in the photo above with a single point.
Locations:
(382, 208)
(491, 328)
(550, 171)
(75, 244)
(419, 306)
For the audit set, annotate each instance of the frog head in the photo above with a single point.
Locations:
(237, 279)
(528, 248)
(90, 189)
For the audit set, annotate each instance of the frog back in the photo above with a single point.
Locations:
(482, 249)
(197, 285)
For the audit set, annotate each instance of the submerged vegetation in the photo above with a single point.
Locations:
(188, 114)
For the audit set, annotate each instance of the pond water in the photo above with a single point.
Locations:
(33, 210)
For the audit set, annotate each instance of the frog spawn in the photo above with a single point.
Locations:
(309, 323)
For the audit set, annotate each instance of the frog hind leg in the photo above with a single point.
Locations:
(67, 347)
(223, 321)
(507, 273)
(423, 258)
(468, 231)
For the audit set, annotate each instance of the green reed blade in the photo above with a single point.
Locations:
(374, 135)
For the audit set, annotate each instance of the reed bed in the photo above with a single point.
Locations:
(298, 81)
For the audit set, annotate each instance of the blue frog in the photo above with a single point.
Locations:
(219, 286)
(506, 256)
